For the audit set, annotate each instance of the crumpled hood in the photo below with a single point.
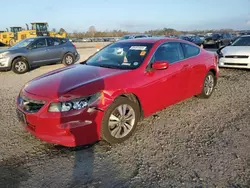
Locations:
(61, 81)
(236, 50)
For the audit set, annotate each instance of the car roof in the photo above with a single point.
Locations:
(46, 37)
(150, 40)
(244, 36)
(41, 37)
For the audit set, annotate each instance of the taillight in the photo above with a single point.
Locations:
(74, 46)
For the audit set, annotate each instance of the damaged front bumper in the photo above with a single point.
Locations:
(73, 128)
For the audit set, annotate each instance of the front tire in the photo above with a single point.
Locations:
(208, 86)
(120, 120)
(68, 59)
(20, 66)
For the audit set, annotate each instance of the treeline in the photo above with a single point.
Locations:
(92, 32)
(115, 33)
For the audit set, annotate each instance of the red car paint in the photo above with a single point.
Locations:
(155, 90)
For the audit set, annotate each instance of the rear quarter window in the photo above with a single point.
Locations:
(60, 41)
(190, 50)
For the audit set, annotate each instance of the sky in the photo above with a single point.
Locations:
(129, 15)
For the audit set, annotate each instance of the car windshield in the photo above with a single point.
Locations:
(121, 55)
(242, 41)
(23, 43)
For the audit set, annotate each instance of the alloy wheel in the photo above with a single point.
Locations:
(20, 66)
(209, 85)
(121, 121)
(69, 60)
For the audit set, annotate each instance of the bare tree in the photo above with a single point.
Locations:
(54, 29)
(91, 31)
(62, 30)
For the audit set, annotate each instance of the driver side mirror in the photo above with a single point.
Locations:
(160, 65)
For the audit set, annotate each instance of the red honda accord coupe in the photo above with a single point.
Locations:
(105, 96)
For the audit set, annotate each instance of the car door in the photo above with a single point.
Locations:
(37, 54)
(54, 50)
(197, 68)
(168, 86)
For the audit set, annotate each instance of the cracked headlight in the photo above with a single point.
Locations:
(2, 55)
(75, 104)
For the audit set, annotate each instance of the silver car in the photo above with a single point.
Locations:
(237, 54)
(32, 52)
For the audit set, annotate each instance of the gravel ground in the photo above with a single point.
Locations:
(196, 143)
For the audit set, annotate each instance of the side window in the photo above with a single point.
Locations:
(63, 40)
(50, 41)
(39, 43)
(190, 50)
(171, 52)
(60, 41)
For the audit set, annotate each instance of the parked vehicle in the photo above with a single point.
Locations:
(217, 40)
(184, 37)
(5, 37)
(244, 33)
(134, 36)
(37, 29)
(193, 38)
(197, 40)
(236, 55)
(202, 37)
(105, 96)
(36, 52)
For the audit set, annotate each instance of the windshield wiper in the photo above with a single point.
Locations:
(108, 66)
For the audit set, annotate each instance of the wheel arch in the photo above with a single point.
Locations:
(214, 72)
(67, 52)
(20, 56)
(134, 98)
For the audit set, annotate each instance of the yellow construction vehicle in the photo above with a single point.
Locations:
(42, 30)
(37, 29)
(59, 34)
(5, 37)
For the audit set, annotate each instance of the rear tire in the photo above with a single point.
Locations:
(20, 66)
(68, 59)
(208, 86)
(120, 120)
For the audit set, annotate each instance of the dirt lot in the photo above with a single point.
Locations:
(196, 143)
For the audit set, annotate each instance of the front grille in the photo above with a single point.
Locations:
(237, 56)
(30, 105)
(236, 64)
